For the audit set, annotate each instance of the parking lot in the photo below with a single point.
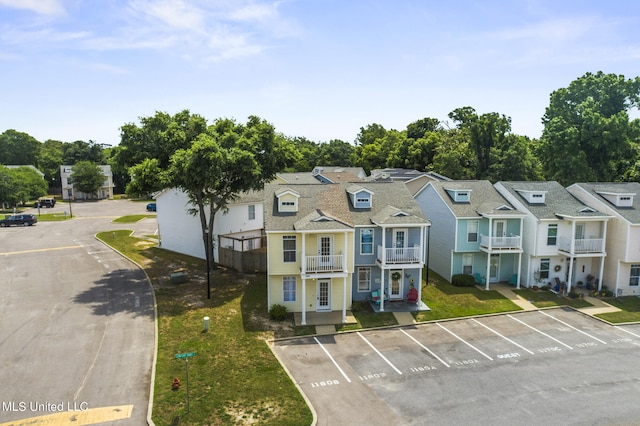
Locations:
(554, 366)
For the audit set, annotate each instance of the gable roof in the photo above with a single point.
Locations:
(485, 200)
(332, 201)
(632, 213)
(558, 201)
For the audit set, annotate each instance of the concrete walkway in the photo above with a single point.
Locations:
(599, 307)
(508, 292)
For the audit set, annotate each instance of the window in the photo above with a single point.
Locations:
(472, 231)
(366, 241)
(289, 289)
(289, 248)
(552, 234)
(467, 264)
(544, 268)
(634, 276)
(364, 279)
(252, 212)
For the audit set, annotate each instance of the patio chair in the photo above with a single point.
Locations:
(560, 285)
(513, 280)
(412, 296)
(375, 297)
(478, 278)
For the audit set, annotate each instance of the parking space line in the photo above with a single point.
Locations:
(572, 327)
(379, 353)
(539, 331)
(465, 342)
(332, 360)
(504, 337)
(627, 331)
(425, 348)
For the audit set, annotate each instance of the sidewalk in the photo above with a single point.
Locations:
(507, 292)
(599, 307)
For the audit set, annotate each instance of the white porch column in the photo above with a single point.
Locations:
(344, 299)
(602, 272)
(304, 301)
(490, 241)
(570, 277)
(519, 271)
(420, 286)
(488, 269)
(303, 257)
(382, 290)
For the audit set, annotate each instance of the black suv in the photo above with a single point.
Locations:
(19, 220)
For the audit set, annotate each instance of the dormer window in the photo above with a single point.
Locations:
(618, 199)
(361, 198)
(459, 195)
(287, 200)
(400, 214)
(533, 197)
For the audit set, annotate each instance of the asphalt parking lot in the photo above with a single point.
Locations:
(554, 366)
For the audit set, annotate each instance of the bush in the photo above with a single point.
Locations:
(463, 280)
(278, 312)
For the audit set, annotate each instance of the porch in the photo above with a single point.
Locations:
(324, 318)
(400, 306)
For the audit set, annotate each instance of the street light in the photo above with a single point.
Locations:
(69, 198)
(206, 233)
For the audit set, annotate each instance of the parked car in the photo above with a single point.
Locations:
(19, 220)
(151, 207)
(45, 202)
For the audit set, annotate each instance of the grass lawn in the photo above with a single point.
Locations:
(367, 318)
(133, 218)
(547, 299)
(630, 306)
(234, 378)
(448, 301)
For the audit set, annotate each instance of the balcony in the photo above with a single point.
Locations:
(500, 243)
(581, 245)
(324, 264)
(400, 256)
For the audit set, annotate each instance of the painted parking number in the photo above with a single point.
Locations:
(325, 383)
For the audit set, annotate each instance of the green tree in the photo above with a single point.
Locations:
(514, 160)
(227, 160)
(454, 157)
(146, 178)
(50, 160)
(18, 148)
(77, 151)
(334, 153)
(8, 187)
(87, 177)
(29, 184)
(587, 131)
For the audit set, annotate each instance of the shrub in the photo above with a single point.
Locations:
(463, 280)
(278, 312)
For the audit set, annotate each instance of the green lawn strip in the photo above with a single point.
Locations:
(52, 217)
(132, 218)
(548, 299)
(367, 318)
(234, 378)
(448, 301)
(630, 312)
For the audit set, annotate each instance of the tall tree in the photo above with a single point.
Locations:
(18, 148)
(50, 160)
(146, 178)
(587, 131)
(77, 151)
(225, 161)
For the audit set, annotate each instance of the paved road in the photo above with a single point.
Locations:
(554, 366)
(76, 319)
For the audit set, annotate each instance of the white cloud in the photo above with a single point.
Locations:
(43, 7)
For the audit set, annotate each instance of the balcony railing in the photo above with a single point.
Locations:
(582, 245)
(399, 256)
(327, 263)
(500, 243)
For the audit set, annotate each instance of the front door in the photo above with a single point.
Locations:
(323, 295)
(399, 244)
(499, 232)
(395, 288)
(494, 268)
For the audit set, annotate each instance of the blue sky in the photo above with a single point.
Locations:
(79, 69)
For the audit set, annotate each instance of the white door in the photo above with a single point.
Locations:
(323, 295)
(395, 286)
(499, 232)
(399, 244)
(325, 249)
(494, 267)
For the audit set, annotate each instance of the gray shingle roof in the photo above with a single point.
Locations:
(332, 201)
(558, 201)
(632, 214)
(483, 200)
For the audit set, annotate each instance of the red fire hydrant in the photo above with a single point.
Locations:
(176, 384)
